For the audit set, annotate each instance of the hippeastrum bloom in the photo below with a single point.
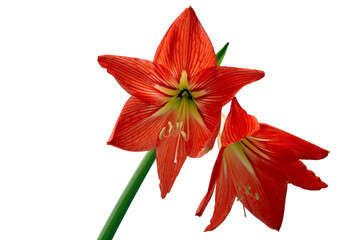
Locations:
(176, 99)
(255, 163)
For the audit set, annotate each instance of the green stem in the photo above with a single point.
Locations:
(127, 196)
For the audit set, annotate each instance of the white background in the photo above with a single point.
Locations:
(58, 179)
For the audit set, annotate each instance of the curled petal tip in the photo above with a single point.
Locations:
(208, 228)
(323, 153)
(100, 58)
(326, 153)
(103, 60)
(199, 212)
(261, 74)
(163, 195)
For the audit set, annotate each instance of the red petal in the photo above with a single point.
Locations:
(282, 141)
(214, 176)
(170, 156)
(300, 176)
(281, 155)
(269, 208)
(220, 84)
(139, 77)
(136, 128)
(224, 196)
(186, 46)
(238, 125)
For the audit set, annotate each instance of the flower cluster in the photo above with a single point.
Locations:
(175, 107)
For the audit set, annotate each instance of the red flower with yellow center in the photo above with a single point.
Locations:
(176, 99)
(255, 163)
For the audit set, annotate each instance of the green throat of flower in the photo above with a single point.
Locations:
(182, 101)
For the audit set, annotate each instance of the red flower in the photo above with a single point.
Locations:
(176, 99)
(255, 164)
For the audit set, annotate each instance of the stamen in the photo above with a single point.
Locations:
(181, 125)
(162, 133)
(247, 190)
(171, 129)
(205, 150)
(177, 125)
(170, 124)
(240, 198)
(183, 134)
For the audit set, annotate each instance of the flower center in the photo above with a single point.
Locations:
(185, 93)
(182, 101)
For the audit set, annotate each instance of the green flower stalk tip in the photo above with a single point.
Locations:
(127, 196)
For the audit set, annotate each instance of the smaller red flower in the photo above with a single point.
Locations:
(255, 163)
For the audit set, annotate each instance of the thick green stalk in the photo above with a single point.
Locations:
(127, 196)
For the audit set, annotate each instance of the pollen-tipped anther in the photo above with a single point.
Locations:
(184, 135)
(161, 135)
(181, 125)
(171, 129)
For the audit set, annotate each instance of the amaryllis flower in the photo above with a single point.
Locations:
(255, 163)
(176, 99)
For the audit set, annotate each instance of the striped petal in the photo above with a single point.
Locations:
(171, 153)
(213, 181)
(238, 125)
(186, 46)
(282, 141)
(140, 78)
(280, 152)
(137, 119)
(220, 84)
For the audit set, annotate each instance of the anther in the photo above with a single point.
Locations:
(183, 134)
(181, 125)
(170, 124)
(205, 150)
(171, 129)
(247, 190)
(177, 125)
(162, 133)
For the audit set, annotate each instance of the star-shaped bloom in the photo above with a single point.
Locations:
(176, 99)
(255, 164)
